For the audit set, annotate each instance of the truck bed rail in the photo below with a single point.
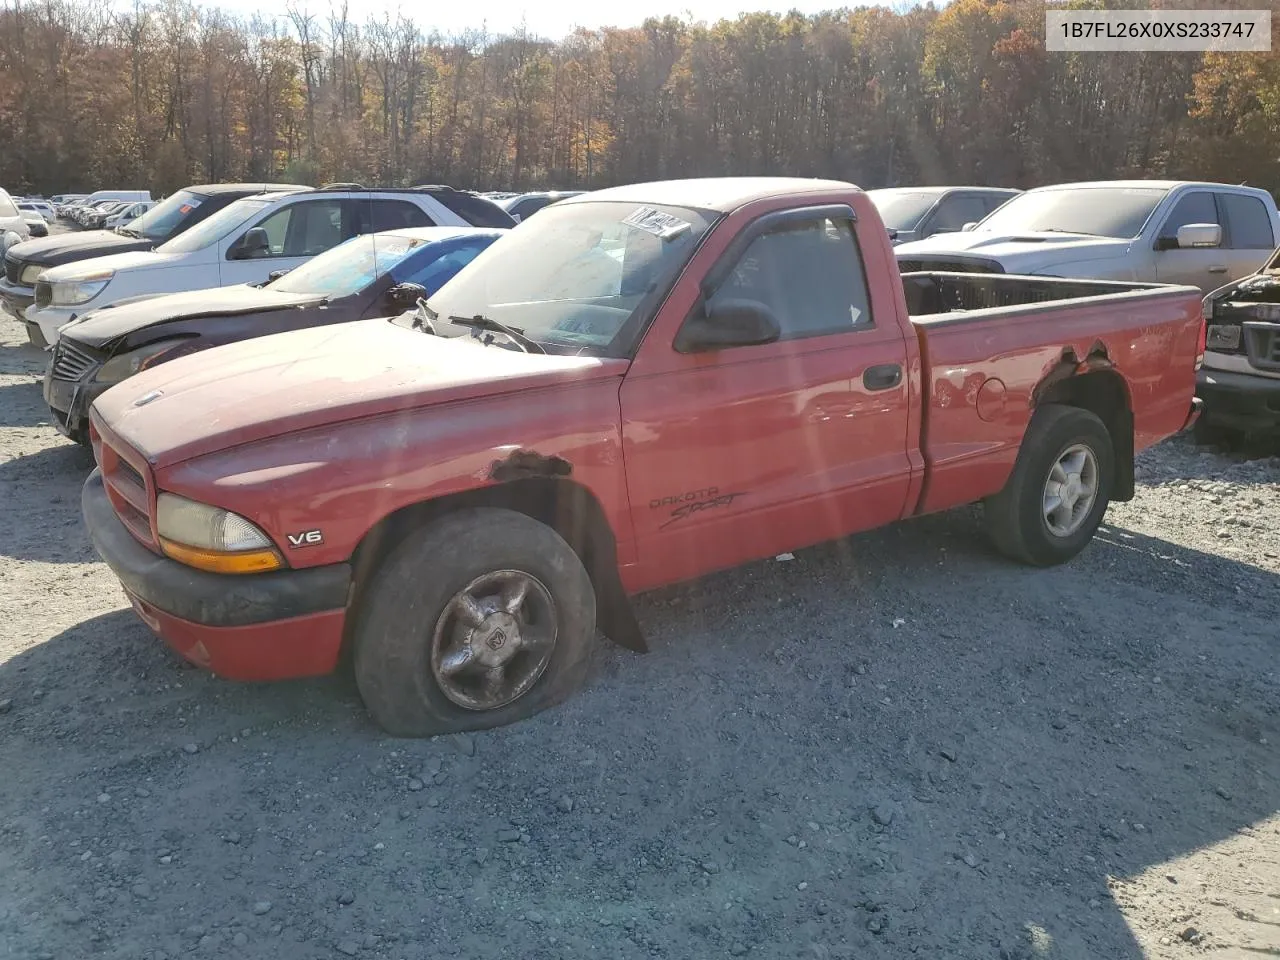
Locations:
(930, 293)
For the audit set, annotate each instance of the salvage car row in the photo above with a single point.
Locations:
(464, 445)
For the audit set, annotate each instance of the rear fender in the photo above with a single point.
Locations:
(1095, 385)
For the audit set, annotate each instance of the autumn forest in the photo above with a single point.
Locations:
(165, 94)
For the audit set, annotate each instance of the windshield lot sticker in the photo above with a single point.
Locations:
(661, 225)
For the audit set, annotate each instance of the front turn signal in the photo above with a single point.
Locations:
(215, 561)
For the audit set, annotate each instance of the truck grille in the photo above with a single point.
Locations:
(44, 294)
(12, 271)
(71, 361)
(948, 265)
(125, 474)
(1262, 340)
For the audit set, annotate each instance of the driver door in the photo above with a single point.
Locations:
(295, 233)
(743, 452)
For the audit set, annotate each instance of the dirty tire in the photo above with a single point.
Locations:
(415, 584)
(1015, 516)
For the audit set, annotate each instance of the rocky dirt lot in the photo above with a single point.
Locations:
(896, 745)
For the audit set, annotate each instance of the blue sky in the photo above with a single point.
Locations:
(552, 19)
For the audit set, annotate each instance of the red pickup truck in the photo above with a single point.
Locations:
(636, 387)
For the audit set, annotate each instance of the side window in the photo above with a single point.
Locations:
(993, 201)
(277, 227)
(320, 229)
(809, 275)
(528, 207)
(1249, 225)
(1193, 208)
(955, 212)
(436, 273)
(392, 215)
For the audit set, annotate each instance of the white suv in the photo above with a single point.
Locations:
(247, 241)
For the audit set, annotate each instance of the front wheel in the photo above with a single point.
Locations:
(1058, 491)
(482, 618)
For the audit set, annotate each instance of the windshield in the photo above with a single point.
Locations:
(902, 209)
(215, 228)
(349, 267)
(160, 222)
(573, 277)
(1102, 211)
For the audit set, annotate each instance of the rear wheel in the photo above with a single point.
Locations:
(483, 618)
(1058, 491)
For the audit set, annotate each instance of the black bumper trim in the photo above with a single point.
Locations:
(212, 599)
(74, 419)
(1240, 400)
(16, 303)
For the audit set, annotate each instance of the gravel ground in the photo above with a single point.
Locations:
(898, 744)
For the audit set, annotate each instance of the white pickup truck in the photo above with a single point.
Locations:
(1156, 231)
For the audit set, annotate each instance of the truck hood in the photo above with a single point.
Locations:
(119, 262)
(1017, 252)
(263, 388)
(69, 247)
(99, 327)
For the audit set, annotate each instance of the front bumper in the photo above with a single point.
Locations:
(16, 298)
(263, 626)
(69, 401)
(1239, 401)
(48, 320)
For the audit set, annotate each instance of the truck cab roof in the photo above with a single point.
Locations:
(715, 194)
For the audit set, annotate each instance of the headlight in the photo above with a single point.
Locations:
(29, 274)
(127, 364)
(210, 538)
(69, 293)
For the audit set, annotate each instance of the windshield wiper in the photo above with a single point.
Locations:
(129, 232)
(480, 322)
(1082, 233)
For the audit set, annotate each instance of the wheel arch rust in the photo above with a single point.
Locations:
(1094, 384)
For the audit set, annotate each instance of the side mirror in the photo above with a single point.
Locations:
(255, 243)
(1196, 235)
(275, 275)
(893, 234)
(969, 226)
(406, 295)
(729, 323)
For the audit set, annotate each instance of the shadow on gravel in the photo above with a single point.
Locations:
(22, 405)
(890, 745)
(40, 519)
(1245, 462)
(17, 357)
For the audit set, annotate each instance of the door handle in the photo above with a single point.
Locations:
(882, 377)
(1218, 269)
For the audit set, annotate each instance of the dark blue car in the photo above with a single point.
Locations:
(380, 274)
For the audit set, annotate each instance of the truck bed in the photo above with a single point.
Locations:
(975, 396)
(930, 292)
